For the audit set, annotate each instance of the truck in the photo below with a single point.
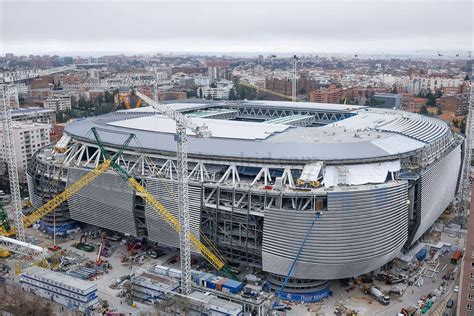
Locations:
(457, 255)
(377, 294)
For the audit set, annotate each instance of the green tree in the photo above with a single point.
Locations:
(191, 93)
(424, 110)
(245, 92)
(462, 126)
(232, 95)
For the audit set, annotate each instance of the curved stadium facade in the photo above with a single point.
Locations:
(375, 174)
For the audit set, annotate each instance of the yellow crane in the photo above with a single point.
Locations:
(55, 202)
(52, 204)
(215, 259)
(125, 98)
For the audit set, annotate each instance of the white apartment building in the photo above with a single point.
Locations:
(28, 137)
(58, 102)
(221, 92)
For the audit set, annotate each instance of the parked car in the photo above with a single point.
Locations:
(456, 289)
(450, 304)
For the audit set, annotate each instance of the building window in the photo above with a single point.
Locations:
(470, 297)
(471, 286)
(469, 307)
(471, 275)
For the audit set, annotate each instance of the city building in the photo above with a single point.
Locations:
(58, 102)
(220, 91)
(172, 95)
(28, 138)
(71, 292)
(332, 94)
(374, 174)
(38, 115)
(466, 285)
(388, 100)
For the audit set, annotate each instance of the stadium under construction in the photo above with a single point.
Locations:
(374, 175)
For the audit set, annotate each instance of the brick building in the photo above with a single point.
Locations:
(172, 95)
(327, 95)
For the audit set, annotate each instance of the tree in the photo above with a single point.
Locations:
(245, 92)
(232, 95)
(424, 110)
(439, 111)
(466, 78)
(395, 89)
(213, 85)
(200, 93)
(462, 126)
(191, 93)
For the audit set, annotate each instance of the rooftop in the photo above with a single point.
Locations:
(367, 134)
(59, 278)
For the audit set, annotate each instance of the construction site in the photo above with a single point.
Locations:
(238, 208)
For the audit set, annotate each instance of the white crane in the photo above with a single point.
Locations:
(9, 92)
(182, 123)
(294, 85)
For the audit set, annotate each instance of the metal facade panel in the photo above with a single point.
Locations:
(360, 231)
(35, 199)
(106, 202)
(438, 189)
(165, 191)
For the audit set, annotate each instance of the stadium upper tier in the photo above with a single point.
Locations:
(278, 131)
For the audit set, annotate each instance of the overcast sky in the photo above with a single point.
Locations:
(231, 26)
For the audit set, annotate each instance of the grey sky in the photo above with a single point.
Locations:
(235, 26)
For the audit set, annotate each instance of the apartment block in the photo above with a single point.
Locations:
(58, 102)
(28, 137)
(327, 95)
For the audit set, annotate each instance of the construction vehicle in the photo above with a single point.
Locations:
(276, 304)
(83, 245)
(376, 293)
(216, 260)
(4, 253)
(98, 259)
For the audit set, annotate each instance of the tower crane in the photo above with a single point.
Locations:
(185, 235)
(7, 93)
(216, 260)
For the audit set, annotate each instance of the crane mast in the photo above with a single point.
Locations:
(7, 93)
(293, 81)
(182, 123)
(183, 206)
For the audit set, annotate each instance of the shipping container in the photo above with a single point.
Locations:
(220, 283)
(232, 286)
